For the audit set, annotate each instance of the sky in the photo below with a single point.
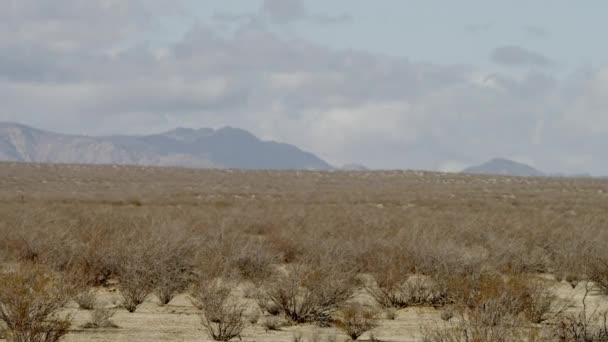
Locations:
(390, 84)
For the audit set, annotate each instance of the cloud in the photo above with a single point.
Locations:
(284, 12)
(536, 31)
(517, 56)
(344, 105)
(479, 28)
(71, 24)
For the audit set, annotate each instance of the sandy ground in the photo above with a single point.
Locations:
(180, 321)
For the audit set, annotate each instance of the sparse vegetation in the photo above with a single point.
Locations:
(458, 243)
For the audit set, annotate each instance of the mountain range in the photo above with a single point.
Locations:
(182, 147)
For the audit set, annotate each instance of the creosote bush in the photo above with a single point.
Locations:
(356, 319)
(136, 282)
(222, 315)
(598, 270)
(85, 297)
(413, 290)
(101, 318)
(31, 299)
(583, 326)
(307, 293)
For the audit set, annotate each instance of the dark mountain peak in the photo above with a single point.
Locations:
(236, 133)
(505, 167)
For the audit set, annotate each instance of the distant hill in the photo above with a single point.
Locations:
(183, 147)
(504, 167)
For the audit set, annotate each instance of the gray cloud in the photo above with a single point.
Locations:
(343, 105)
(283, 12)
(478, 28)
(536, 31)
(517, 56)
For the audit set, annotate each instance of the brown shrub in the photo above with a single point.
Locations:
(254, 261)
(355, 320)
(223, 315)
(136, 281)
(306, 293)
(30, 301)
(413, 291)
(86, 298)
(598, 273)
(583, 326)
(172, 271)
(101, 318)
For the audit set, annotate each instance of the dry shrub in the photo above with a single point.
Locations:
(501, 296)
(267, 305)
(272, 323)
(172, 271)
(413, 291)
(492, 321)
(492, 307)
(30, 302)
(159, 262)
(356, 319)
(578, 328)
(583, 327)
(307, 293)
(468, 330)
(102, 242)
(101, 318)
(136, 281)
(537, 301)
(255, 261)
(223, 315)
(86, 297)
(598, 273)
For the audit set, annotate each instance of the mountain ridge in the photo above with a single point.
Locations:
(226, 147)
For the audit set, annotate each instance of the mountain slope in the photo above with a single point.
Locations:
(226, 147)
(504, 167)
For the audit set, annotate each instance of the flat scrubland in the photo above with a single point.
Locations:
(114, 253)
